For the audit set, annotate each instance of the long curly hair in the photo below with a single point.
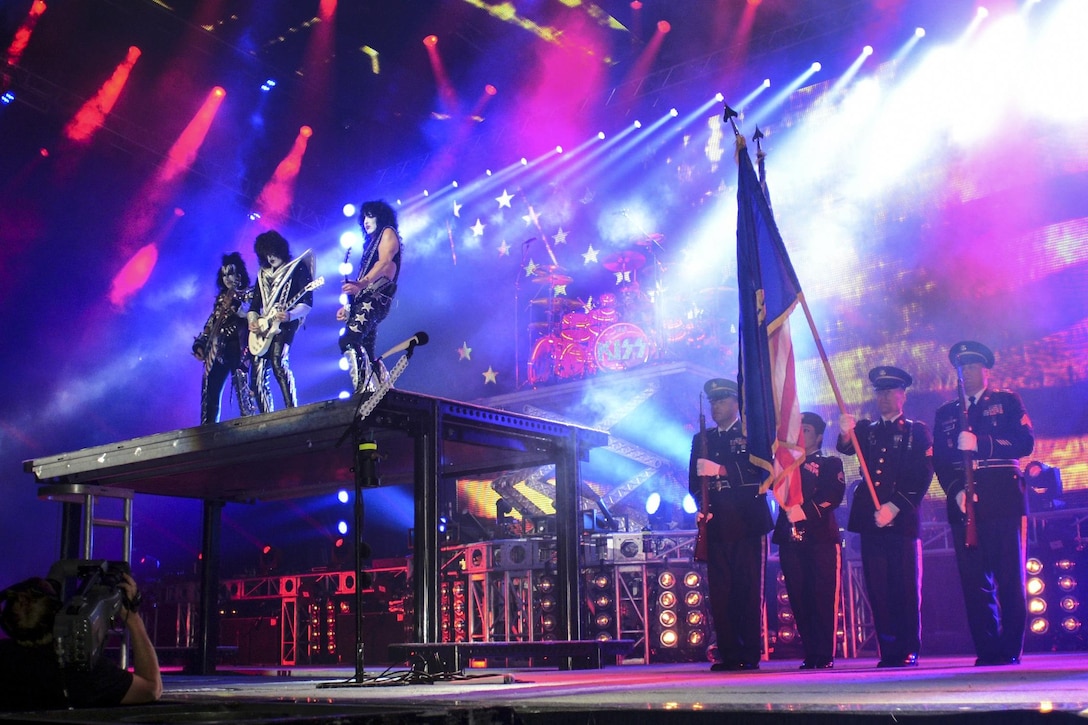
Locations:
(271, 242)
(382, 212)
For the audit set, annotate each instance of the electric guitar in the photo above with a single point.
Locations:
(268, 325)
(362, 303)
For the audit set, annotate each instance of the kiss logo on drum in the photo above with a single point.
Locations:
(622, 346)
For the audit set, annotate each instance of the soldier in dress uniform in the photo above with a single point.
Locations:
(999, 433)
(899, 455)
(736, 530)
(810, 549)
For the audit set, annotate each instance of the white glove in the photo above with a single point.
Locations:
(967, 441)
(846, 424)
(961, 501)
(795, 514)
(707, 467)
(885, 514)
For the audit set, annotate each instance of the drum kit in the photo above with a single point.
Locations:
(623, 329)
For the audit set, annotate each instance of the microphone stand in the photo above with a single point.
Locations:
(365, 468)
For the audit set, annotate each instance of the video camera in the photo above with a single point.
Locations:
(83, 621)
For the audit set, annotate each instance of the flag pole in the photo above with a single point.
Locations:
(838, 398)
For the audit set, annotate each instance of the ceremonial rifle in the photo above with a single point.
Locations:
(971, 534)
(701, 545)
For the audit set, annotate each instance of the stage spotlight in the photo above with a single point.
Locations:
(342, 527)
(1069, 604)
(1035, 586)
(669, 638)
(696, 637)
(816, 67)
(693, 599)
(653, 503)
(603, 620)
(1071, 624)
(602, 581)
(663, 26)
(666, 579)
(695, 618)
(1036, 605)
(1067, 583)
(7, 98)
(603, 601)
(919, 32)
(343, 496)
(430, 41)
(1034, 566)
(667, 599)
(1065, 564)
(268, 85)
(667, 618)
(867, 50)
(1044, 487)
(692, 579)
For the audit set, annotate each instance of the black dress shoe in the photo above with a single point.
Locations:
(821, 663)
(910, 660)
(734, 666)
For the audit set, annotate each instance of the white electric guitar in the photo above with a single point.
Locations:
(268, 325)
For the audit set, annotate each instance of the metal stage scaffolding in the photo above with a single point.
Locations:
(296, 452)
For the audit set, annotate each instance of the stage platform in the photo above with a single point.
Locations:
(1051, 688)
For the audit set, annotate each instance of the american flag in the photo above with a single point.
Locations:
(769, 291)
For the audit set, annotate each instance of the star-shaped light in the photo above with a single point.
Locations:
(477, 228)
(530, 268)
(464, 352)
(532, 217)
(590, 255)
(504, 249)
(589, 305)
(490, 376)
(560, 236)
(560, 289)
(587, 197)
(504, 200)
(457, 209)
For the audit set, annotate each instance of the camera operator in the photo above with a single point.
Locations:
(31, 677)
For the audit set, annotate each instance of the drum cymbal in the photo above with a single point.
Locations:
(552, 279)
(650, 239)
(556, 303)
(624, 261)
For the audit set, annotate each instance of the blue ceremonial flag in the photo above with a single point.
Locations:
(769, 291)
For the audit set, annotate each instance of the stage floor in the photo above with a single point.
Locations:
(1051, 688)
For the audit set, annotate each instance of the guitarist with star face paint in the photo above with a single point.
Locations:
(282, 297)
(370, 295)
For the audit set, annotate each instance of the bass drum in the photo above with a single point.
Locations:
(623, 346)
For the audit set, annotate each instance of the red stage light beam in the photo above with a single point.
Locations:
(90, 117)
(22, 39)
(278, 194)
(183, 152)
